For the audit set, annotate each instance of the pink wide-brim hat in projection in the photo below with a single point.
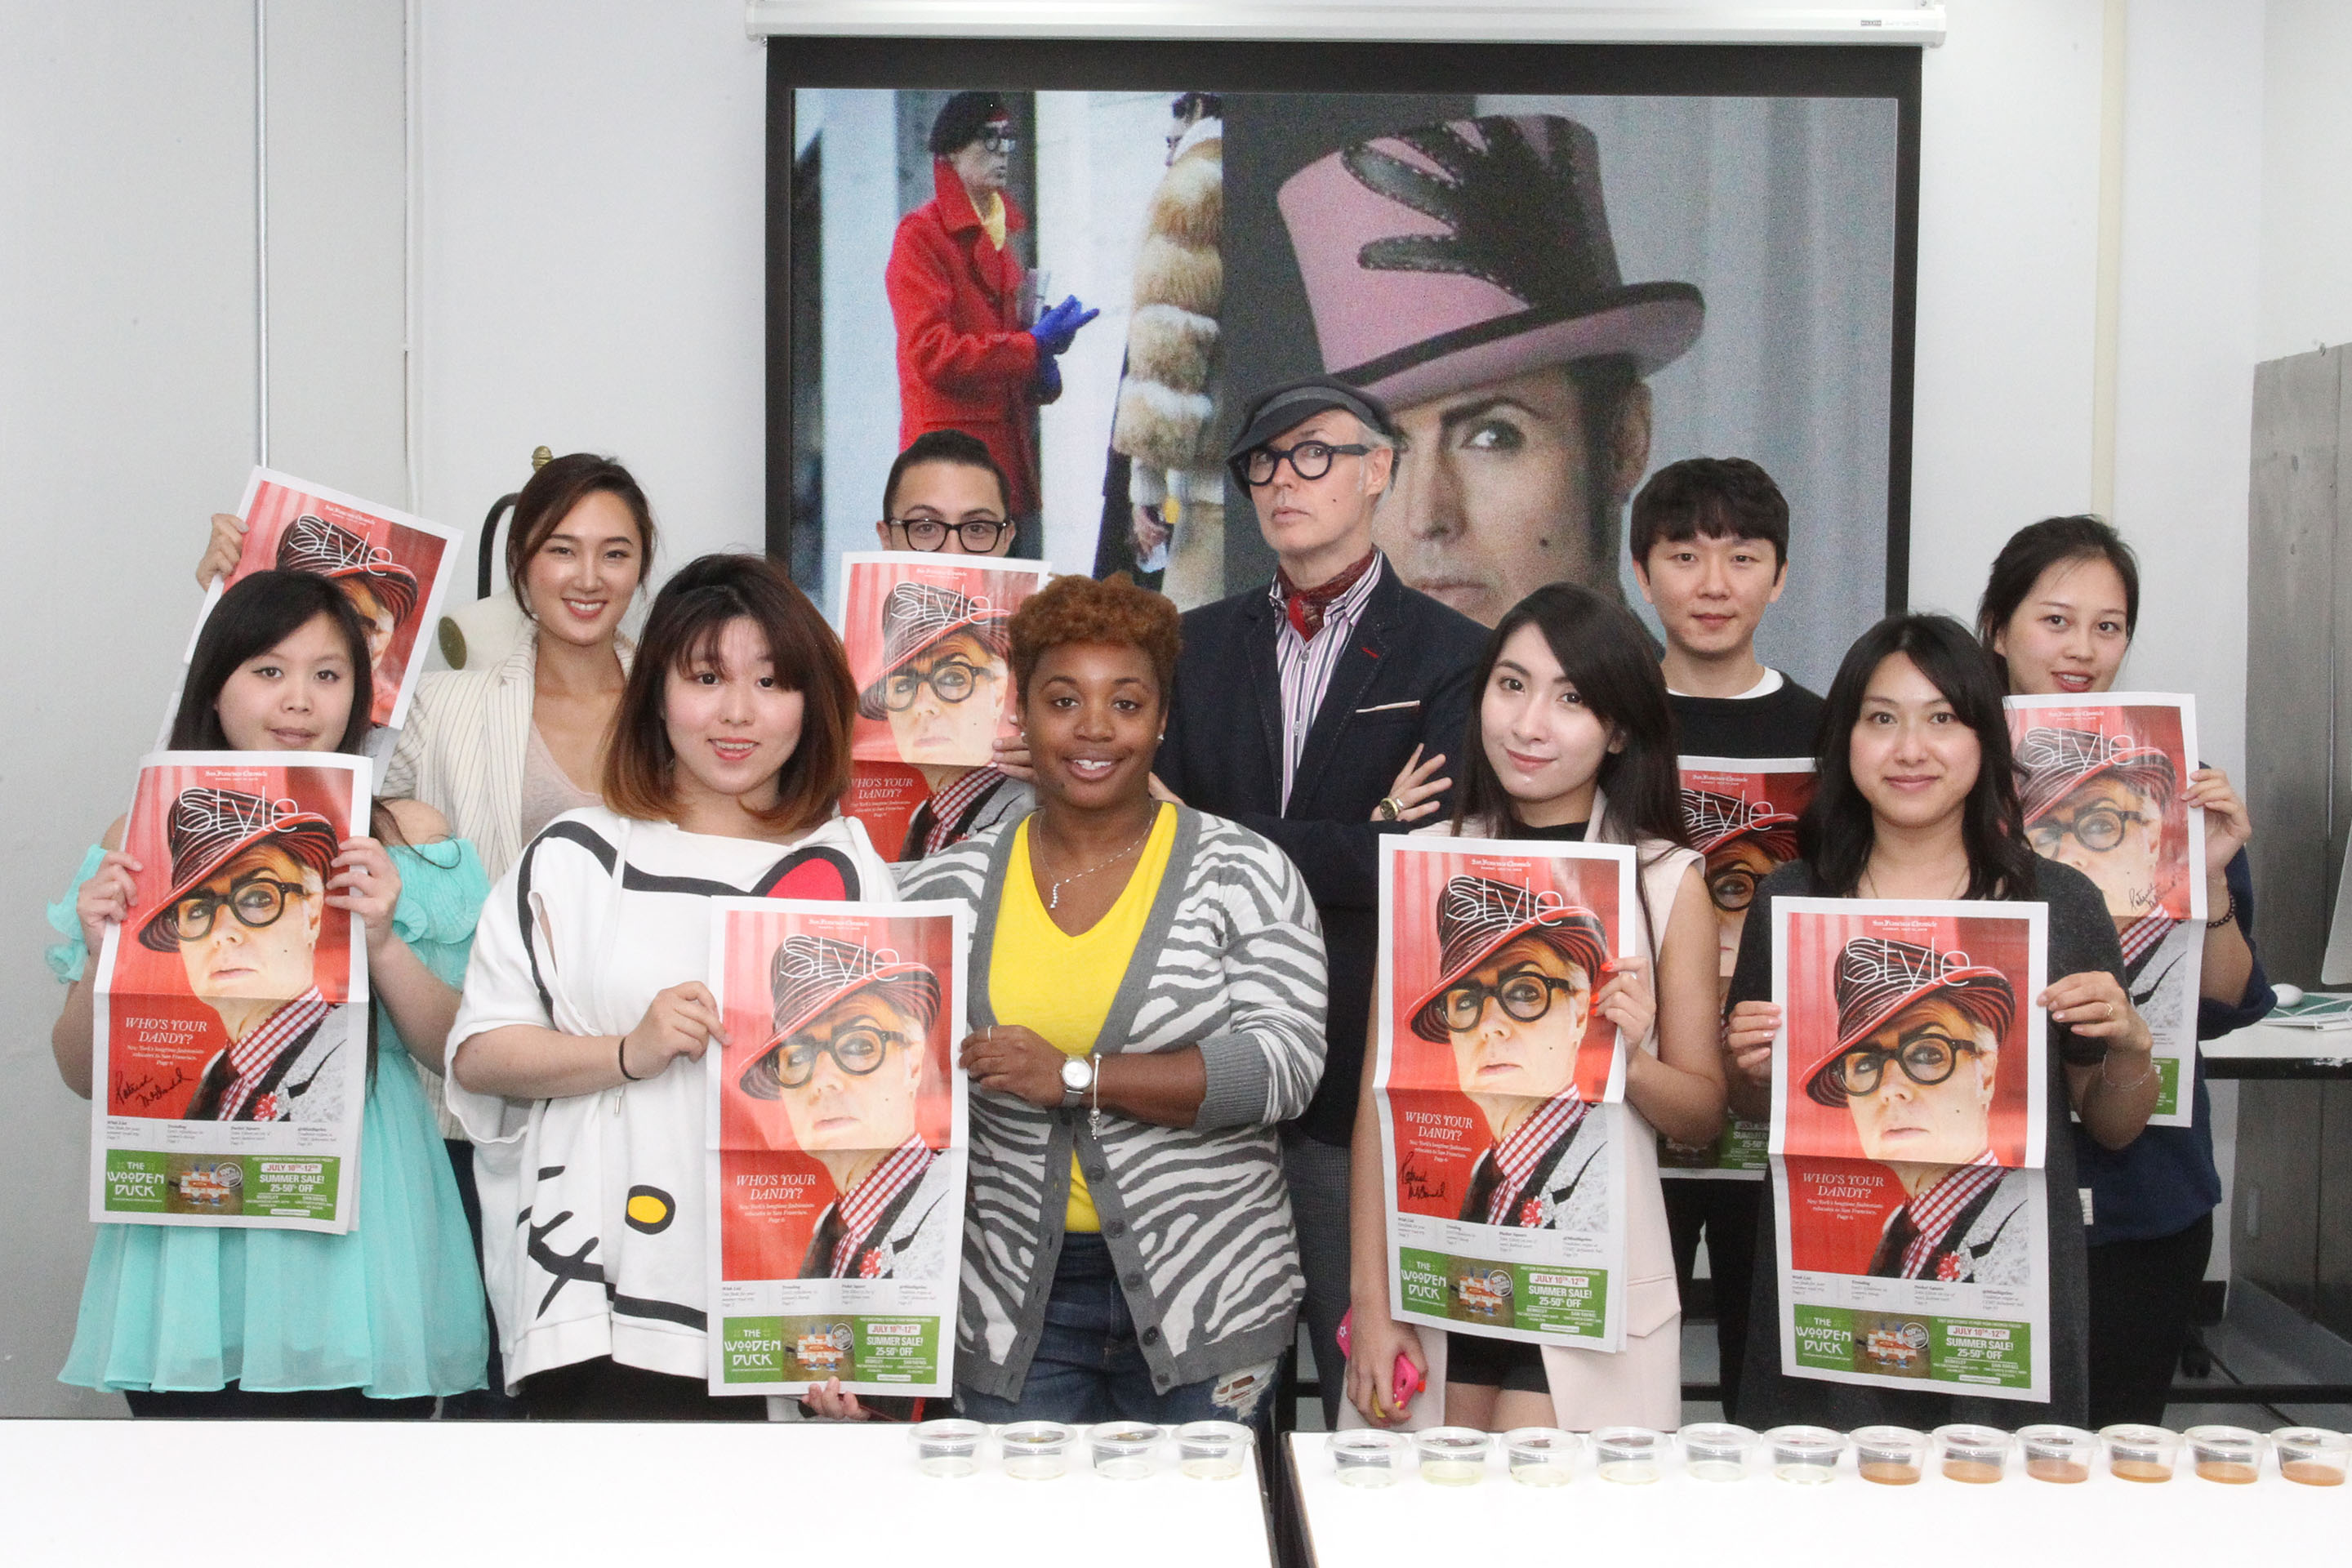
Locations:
(1457, 254)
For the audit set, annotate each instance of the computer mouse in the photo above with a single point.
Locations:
(2288, 996)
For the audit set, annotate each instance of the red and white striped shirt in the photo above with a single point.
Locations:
(863, 1204)
(1932, 1212)
(955, 798)
(1305, 666)
(2140, 938)
(250, 1058)
(1517, 1156)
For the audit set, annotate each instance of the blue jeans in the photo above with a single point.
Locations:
(1090, 1368)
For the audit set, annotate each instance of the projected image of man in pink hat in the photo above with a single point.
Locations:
(1465, 274)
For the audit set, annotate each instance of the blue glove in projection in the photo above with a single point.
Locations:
(1048, 383)
(1057, 326)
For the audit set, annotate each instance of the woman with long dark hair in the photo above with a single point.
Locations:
(379, 1321)
(576, 1061)
(1573, 739)
(1917, 799)
(2058, 613)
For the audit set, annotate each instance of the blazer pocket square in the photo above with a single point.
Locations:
(1390, 707)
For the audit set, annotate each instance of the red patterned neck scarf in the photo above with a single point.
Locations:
(1305, 606)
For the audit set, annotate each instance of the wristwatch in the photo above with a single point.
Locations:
(1077, 1078)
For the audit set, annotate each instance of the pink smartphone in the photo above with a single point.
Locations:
(1404, 1379)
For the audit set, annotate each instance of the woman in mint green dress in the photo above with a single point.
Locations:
(379, 1321)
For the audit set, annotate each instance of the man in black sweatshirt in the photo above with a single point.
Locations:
(1710, 546)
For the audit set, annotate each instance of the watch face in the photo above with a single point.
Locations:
(1076, 1074)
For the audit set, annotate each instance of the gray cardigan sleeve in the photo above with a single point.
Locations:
(1265, 1061)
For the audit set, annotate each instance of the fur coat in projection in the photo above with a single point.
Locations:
(1168, 399)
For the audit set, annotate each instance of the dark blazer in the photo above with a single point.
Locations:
(1406, 683)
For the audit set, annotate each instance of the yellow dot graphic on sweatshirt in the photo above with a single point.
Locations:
(649, 1209)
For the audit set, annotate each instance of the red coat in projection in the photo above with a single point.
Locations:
(965, 362)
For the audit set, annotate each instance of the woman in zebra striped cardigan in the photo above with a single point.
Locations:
(1146, 1004)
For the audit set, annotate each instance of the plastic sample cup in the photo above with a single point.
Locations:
(1452, 1456)
(1977, 1455)
(1035, 1450)
(2136, 1453)
(2312, 1456)
(1366, 1457)
(1214, 1450)
(1124, 1450)
(1889, 1456)
(2062, 1455)
(1805, 1455)
(948, 1448)
(2230, 1455)
(1541, 1455)
(1628, 1455)
(1716, 1450)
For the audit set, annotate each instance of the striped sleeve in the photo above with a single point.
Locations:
(1263, 1064)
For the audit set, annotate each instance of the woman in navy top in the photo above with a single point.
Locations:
(2058, 613)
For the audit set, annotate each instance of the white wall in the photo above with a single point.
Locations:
(2007, 280)
(592, 189)
(2306, 127)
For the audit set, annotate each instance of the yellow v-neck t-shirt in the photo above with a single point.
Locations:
(1042, 978)
(992, 222)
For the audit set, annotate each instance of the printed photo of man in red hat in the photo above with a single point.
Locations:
(380, 589)
(853, 1032)
(1463, 273)
(2102, 805)
(945, 678)
(244, 912)
(1744, 841)
(1513, 997)
(1916, 1065)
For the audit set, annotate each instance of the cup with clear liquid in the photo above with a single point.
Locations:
(1214, 1450)
(948, 1448)
(1716, 1450)
(1035, 1450)
(1125, 1450)
(1452, 1456)
(1807, 1455)
(1366, 1457)
(1541, 1456)
(1627, 1455)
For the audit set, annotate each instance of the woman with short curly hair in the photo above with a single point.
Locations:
(1146, 1005)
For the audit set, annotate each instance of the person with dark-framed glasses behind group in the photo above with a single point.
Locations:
(946, 481)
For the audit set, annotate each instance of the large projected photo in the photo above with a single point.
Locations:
(1558, 295)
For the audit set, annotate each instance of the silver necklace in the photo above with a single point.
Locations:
(1054, 890)
(1869, 887)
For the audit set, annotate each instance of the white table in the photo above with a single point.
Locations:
(1763, 1522)
(2275, 1051)
(190, 1493)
